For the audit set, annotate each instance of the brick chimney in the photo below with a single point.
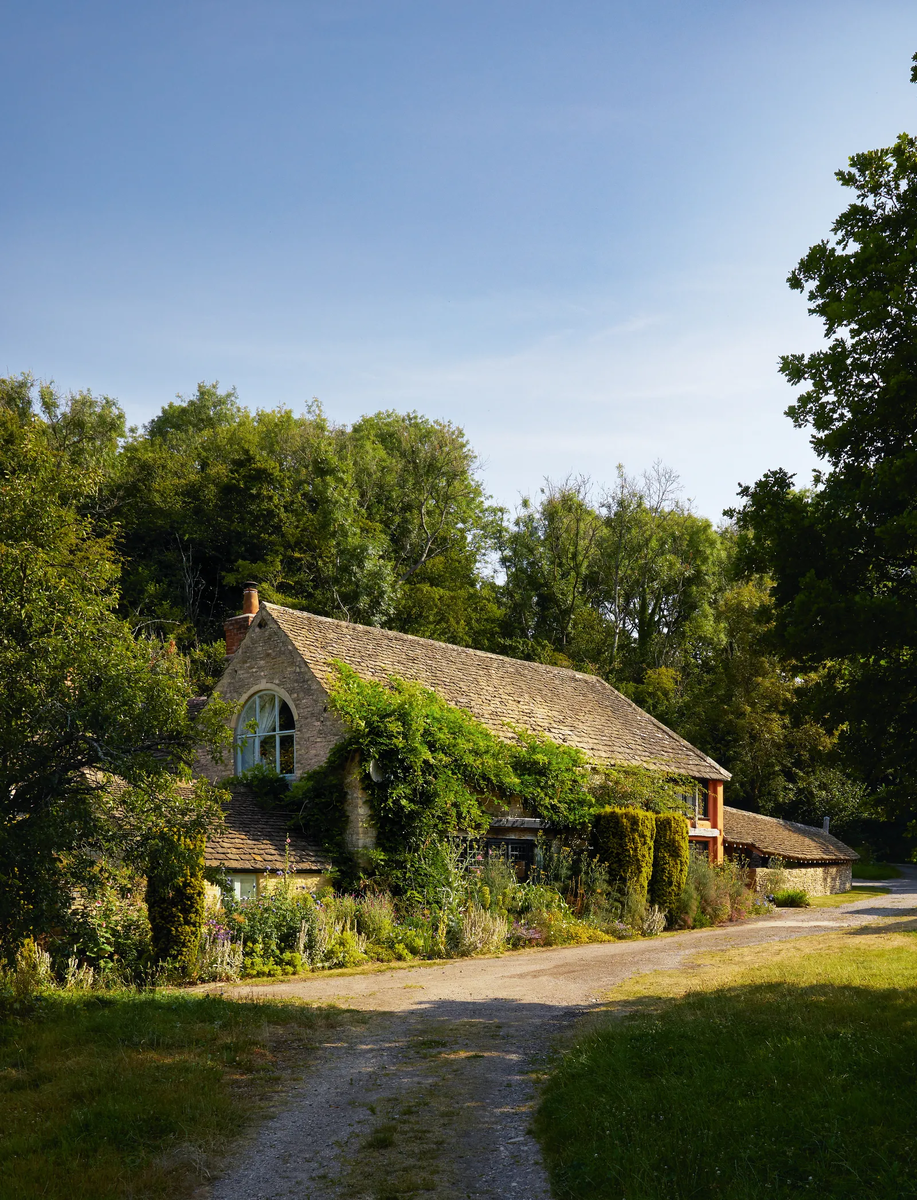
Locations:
(235, 628)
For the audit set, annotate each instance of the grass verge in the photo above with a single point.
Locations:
(742, 1079)
(857, 893)
(114, 1095)
(864, 870)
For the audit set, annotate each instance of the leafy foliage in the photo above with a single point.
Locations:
(83, 700)
(842, 554)
(629, 786)
(623, 839)
(671, 852)
(384, 522)
(175, 899)
(431, 770)
(713, 894)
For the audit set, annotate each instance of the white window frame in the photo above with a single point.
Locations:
(258, 736)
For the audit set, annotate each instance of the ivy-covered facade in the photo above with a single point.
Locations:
(385, 737)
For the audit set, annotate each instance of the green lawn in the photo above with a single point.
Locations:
(786, 1071)
(125, 1095)
(864, 870)
(856, 893)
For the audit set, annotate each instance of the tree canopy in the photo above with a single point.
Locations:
(94, 725)
(843, 554)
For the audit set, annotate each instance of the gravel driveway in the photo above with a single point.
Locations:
(431, 1095)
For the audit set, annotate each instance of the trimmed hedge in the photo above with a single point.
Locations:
(623, 839)
(175, 906)
(670, 860)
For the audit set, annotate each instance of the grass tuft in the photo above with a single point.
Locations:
(381, 1138)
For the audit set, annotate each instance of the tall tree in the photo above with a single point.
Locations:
(385, 522)
(621, 584)
(843, 554)
(82, 700)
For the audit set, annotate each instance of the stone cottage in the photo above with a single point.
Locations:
(815, 860)
(280, 670)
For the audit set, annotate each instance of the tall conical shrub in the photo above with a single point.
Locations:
(175, 894)
(670, 860)
(623, 839)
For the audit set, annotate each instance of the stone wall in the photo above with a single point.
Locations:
(267, 661)
(361, 828)
(257, 883)
(824, 880)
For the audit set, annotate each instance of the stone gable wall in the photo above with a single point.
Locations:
(266, 661)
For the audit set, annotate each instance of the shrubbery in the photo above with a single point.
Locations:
(671, 854)
(175, 900)
(623, 840)
(454, 899)
(713, 895)
(792, 898)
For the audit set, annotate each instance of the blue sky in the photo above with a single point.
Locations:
(565, 226)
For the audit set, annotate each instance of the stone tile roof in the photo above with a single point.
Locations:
(568, 706)
(255, 840)
(788, 839)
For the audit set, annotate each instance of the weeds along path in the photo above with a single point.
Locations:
(431, 1094)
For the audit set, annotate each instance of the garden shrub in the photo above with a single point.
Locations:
(376, 918)
(792, 898)
(715, 894)
(109, 932)
(653, 921)
(175, 895)
(623, 840)
(671, 851)
(477, 931)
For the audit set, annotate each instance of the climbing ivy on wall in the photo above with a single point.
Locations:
(431, 770)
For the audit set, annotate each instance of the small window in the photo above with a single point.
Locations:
(265, 734)
(241, 885)
(695, 802)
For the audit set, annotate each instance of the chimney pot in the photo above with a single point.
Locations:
(825, 823)
(250, 598)
(237, 627)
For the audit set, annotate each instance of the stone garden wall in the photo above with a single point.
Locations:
(823, 880)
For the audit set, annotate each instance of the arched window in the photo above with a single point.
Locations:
(265, 734)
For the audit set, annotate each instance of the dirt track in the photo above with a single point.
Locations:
(431, 1096)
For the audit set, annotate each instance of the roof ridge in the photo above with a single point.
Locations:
(504, 658)
(414, 637)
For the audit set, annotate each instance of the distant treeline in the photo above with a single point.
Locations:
(388, 522)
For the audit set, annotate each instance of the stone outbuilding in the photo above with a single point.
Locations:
(814, 859)
(255, 849)
(280, 670)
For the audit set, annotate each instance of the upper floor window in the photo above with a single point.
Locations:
(695, 802)
(265, 734)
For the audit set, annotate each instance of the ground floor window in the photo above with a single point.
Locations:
(514, 850)
(242, 885)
